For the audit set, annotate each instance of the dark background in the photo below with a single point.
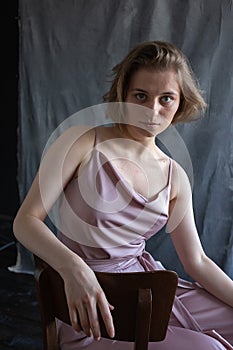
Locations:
(9, 200)
(19, 314)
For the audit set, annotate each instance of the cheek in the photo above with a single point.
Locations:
(175, 107)
(171, 113)
(131, 111)
(134, 113)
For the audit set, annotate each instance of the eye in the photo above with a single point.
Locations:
(166, 99)
(141, 97)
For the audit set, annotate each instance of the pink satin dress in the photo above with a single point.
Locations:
(106, 222)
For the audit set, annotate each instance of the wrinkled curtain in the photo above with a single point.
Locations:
(67, 48)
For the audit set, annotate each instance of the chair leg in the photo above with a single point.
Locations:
(144, 311)
(50, 337)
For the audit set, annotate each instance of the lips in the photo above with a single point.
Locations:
(149, 124)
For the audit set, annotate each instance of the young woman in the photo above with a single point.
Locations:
(117, 189)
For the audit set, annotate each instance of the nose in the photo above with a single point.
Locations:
(154, 105)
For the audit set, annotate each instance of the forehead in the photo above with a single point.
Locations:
(154, 80)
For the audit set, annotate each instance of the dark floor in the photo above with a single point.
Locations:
(19, 316)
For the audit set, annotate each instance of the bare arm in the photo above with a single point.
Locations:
(82, 288)
(185, 238)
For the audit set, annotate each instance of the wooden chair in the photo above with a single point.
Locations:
(142, 304)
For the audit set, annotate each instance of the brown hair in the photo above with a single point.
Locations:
(159, 55)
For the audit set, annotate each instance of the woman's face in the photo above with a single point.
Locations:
(153, 99)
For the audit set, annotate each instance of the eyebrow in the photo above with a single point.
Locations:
(163, 93)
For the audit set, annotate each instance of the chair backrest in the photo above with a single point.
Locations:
(142, 303)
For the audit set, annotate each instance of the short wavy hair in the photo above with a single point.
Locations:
(160, 56)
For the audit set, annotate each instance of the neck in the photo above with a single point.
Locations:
(136, 134)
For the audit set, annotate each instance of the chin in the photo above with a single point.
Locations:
(137, 130)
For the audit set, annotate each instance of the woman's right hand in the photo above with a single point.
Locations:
(84, 297)
(57, 169)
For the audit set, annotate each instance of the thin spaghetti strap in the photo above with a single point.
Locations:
(170, 171)
(96, 137)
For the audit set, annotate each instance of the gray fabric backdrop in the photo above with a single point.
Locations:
(68, 47)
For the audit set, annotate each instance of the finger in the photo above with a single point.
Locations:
(74, 318)
(93, 319)
(106, 315)
(111, 307)
(84, 319)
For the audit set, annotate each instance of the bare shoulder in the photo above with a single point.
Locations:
(84, 139)
(180, 182)
(67, 152)
(76, 138)
(73, 135)
(107, 132)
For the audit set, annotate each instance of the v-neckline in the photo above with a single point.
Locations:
(129, 187)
